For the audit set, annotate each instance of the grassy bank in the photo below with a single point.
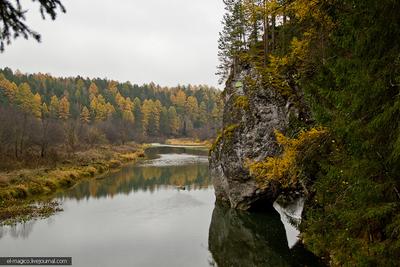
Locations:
(187, 142)
(21, 189)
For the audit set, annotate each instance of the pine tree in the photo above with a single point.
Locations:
(232, 39)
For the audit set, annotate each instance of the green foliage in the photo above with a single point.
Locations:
(343, 59)
(226, 134)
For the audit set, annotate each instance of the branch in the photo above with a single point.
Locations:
(12, 18)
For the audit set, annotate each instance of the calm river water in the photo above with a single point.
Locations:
(159, 212)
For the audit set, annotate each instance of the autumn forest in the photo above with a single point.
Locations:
(41, 114)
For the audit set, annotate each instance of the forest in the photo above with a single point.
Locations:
(41, 114)
(338, 63)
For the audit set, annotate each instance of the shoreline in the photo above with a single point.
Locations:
(26, 194)
(187, 142)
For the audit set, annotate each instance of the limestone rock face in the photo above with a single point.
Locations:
(251, 115)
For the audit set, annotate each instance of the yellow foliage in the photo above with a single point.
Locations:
(9, 88)
(93, 89)
(286, 167)
(242, 102)
(63, 109)
(85, 115)
(54, 106)
(179, 99)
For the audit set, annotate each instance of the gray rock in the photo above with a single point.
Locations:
(253, 138)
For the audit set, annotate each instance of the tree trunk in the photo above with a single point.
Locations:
(21, 144)
(273, 32)
(283, 31)
(16, 146)
(43, 145)
(255, 28)
(266, 33)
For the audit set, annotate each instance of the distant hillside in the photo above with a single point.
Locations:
(39, 110)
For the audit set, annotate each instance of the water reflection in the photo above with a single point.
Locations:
(19, 231)
(147, 176)
(155, 152)
(238, 238)
(116, 227)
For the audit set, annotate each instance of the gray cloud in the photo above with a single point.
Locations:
(168, 42)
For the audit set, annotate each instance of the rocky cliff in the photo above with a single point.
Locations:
(251, 115)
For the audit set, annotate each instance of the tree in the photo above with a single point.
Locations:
(232, 39)
(45, 120)
(37, 105)
(192, 108)
(9, 88)
(341, 60)
(93, 90)
(173, 121)
(54, 107)
(203, 113)
(12, 16)
(63, 109)
(146, 113)
(112, 87)
(85, 116)
(28, 105)
(111, 109)
(137, 112)
(100, 109)
(164, 123)
(179, 100)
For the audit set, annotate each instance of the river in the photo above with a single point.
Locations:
(158, 212)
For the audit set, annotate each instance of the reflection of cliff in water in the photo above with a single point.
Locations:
(143, 178)
(238, 238)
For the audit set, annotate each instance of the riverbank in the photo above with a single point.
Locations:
(188, 142)
(25, 193)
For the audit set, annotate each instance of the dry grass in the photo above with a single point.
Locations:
(24, 183)
(19, 188)
(187, 142)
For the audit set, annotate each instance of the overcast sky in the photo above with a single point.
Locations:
(165, 41)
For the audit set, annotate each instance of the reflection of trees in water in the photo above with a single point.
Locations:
(21, 230)
(143, 178)
(238, 238)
